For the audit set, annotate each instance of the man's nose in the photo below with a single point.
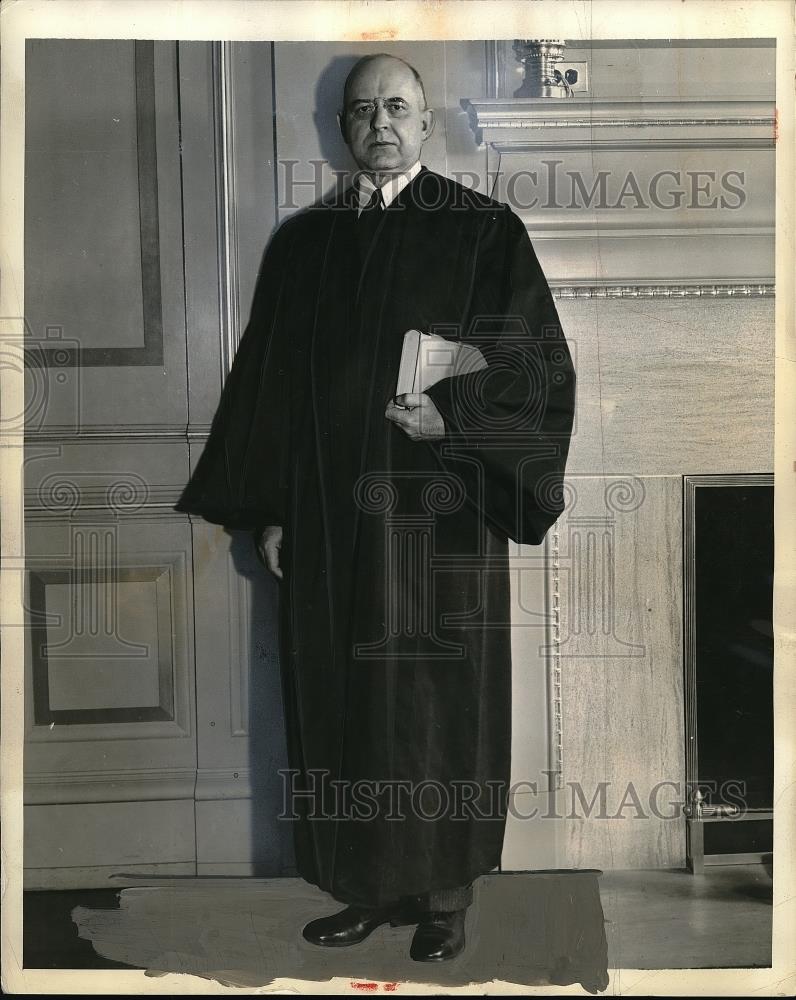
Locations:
(380, 118)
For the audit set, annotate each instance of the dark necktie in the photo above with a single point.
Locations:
(369, 219)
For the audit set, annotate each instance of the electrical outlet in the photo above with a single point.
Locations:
(578, 77)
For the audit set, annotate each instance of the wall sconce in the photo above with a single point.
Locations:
(541, 77)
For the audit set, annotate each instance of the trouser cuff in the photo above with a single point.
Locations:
(445, 900)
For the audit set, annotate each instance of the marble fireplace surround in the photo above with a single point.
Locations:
(637, 195)
(670, 316)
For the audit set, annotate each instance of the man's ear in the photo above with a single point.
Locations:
(428, 121)
(341, 124)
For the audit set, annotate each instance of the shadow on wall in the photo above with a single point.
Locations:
(328, 102)
(271, 839)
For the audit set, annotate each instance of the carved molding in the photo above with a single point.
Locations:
(103, 433)
(590, 228)
(226, 203)
(132, 785)
(162, 510)
(555, 706)
(510, 120)
(214, 783)
(642, 197)
(62, 494)
(665, 124)
(625, 144)
(99, 433)
(95, 560)
(94, 581)
(494, 66)
(680, 291)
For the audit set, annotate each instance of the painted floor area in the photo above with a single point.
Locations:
(531, 928)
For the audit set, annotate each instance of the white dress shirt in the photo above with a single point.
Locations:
(389, 190)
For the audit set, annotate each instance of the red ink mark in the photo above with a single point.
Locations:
(378, 36)
(373, 987)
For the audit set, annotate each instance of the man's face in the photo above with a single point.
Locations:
(384, 121)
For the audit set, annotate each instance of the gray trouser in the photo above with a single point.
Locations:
(445, 900)
(437, 900)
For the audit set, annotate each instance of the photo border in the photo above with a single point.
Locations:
(390, 21)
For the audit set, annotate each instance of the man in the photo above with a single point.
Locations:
(386, 519)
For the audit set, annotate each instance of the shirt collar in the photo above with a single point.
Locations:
(389, 190)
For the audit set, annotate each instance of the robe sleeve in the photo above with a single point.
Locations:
(240, 478)
(508, 426)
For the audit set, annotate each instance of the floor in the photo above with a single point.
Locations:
(49, 937)
(532, 928)
(675, 920)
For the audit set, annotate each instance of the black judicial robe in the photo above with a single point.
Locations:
(395, 643)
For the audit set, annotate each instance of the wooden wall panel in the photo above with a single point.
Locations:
(145, 634)
(240, 727)
(121, 472)
(236, 643)
(83, 153)
(104, 262)
(90, 842)
(230, 214)
(229, 189)
(110, 755)
(243, 837)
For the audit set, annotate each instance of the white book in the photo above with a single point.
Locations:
(426, 358)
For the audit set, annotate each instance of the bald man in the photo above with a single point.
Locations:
(386, 518)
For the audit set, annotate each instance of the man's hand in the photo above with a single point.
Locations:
(422, 421)
(268, 545)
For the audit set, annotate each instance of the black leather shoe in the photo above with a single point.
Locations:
(439, 937)
(353, 924)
